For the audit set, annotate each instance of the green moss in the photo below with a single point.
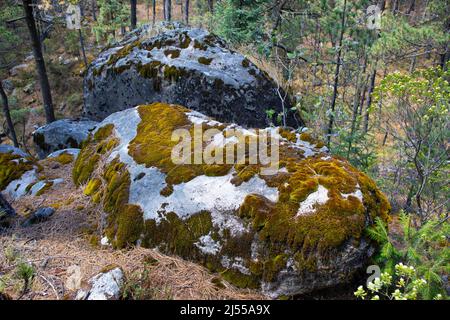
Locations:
(12, 167)
(287, 134)
(64, 158)
(95, 146)
(184, 40)
(130, 226)
(205, 61)
(173, 73)
(167, 190)
(240, 280)
(122, 53)
(92, 186)
(200, 46)
(172, 53)
(149, 70)
(176, 236)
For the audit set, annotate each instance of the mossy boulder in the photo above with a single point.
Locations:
(185, 66)
(299, 229)
(61, 134)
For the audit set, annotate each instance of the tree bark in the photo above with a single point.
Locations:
(154, 11)
(336, 75)
(94, 7)
(369, 98)
(83, 51)
(133, 4)
(40, 63)
(7, 115)
(186, 11)
(168, 10)
(211, 6)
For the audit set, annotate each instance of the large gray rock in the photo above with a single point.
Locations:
(61, 134)
(185, 66)
(297, 230)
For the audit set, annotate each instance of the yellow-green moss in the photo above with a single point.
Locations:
(64, 158)
(239, 279)
(149, 70)
(200, 46)
(173, 73)
(205, 61)
(12, 167)
(92, 186)
(95, 146)
(287, 134)
(172, 53)
(177, 236)
(130, 226)
(184, 40)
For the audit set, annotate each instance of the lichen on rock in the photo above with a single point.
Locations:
(294, 231)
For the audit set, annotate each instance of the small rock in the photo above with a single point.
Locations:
(73, 281)
(40, 215)
(104, 286)
(15, 70)
(29, 88)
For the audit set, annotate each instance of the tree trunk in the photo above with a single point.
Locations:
(186, 12)
(168, 10)
(211, 6)
(369, 98)
(7, 115)
(336, 75)
(154, 11)
(133, 4)
(83, 51)
(40, 63)
(94, 7)
(412, 7)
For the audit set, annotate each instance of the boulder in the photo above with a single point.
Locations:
(185, 66)
(8, 85)
(61, 134)
(291, 230)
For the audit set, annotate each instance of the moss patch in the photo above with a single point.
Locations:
(12, 167)
(95, 146)
(177, 236)
(205, 61)
(64, 158)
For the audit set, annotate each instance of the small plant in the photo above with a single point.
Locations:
(424, 248)
(402, 285)
(25, 272)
